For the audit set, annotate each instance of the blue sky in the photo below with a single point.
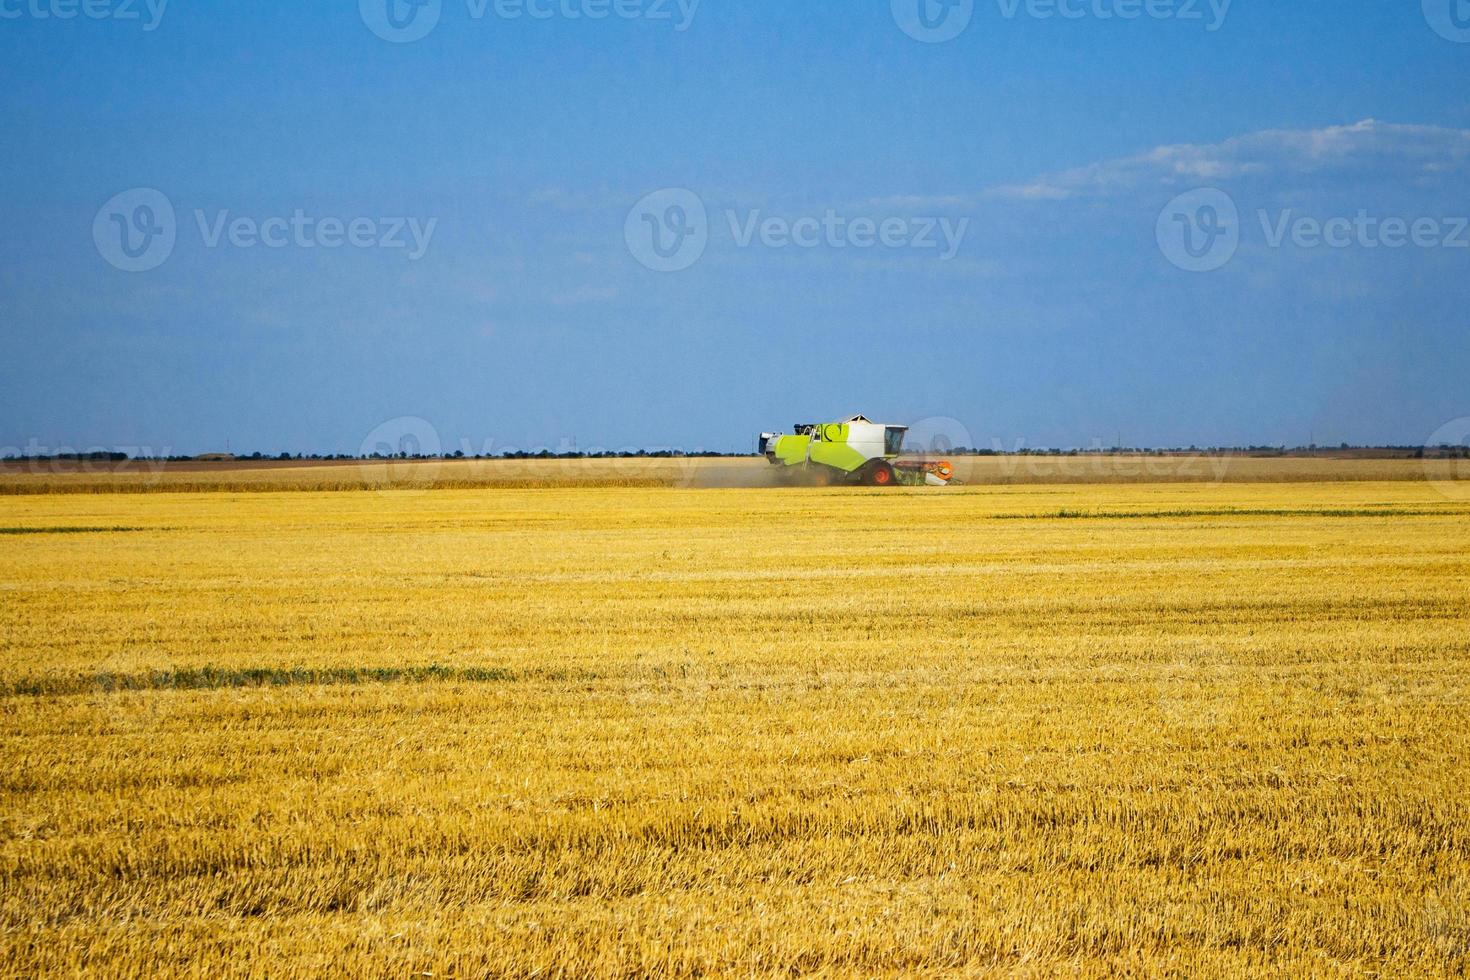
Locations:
(829, 151)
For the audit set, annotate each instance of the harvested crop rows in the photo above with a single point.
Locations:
(1199, 729)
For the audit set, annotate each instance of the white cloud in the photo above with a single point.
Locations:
(1369, 149)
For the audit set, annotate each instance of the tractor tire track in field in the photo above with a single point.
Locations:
(211, 678)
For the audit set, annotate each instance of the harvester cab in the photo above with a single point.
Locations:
(853, 451)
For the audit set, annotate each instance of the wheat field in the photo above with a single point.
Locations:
(1148, 729)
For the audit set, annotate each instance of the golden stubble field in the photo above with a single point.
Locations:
(1167, 729)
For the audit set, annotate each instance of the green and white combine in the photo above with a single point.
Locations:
(854, 451)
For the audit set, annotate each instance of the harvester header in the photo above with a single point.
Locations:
(855, 450)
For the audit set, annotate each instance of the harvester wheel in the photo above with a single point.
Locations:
(880, 474)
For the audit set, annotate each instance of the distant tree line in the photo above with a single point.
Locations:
(92, 457)
(1416, 452)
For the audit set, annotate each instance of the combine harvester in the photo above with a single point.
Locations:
(854, 451)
